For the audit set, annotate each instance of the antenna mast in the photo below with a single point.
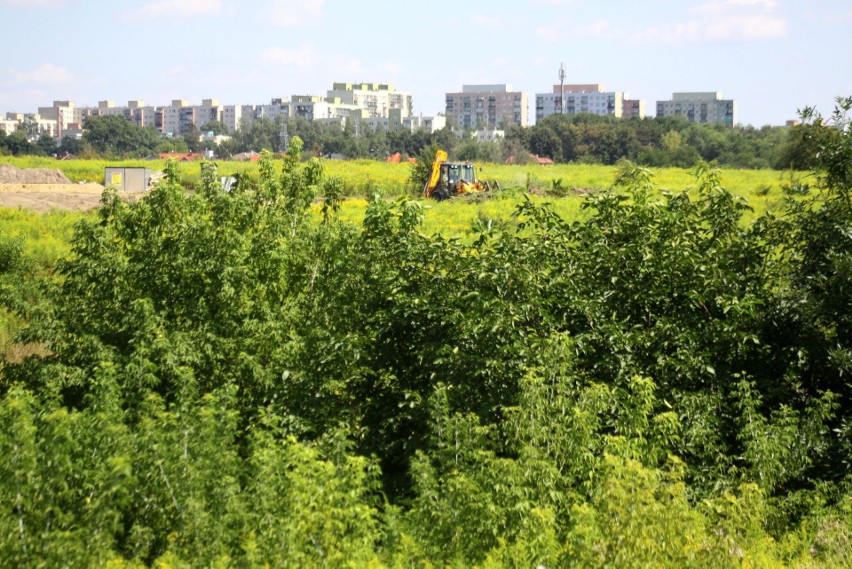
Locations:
(561, 88)
(284, 136)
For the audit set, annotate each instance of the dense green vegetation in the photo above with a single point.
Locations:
(224, 379)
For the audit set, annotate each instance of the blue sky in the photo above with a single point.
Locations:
(772, 56)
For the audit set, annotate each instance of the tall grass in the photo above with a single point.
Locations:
(763, 188)
(46, 236)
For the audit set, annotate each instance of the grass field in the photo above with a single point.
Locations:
(762, 188)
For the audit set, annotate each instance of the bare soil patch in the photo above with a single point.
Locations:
(44, 197)
(12, 175)
(43, 189)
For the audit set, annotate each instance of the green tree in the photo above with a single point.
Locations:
(214, 126)
(116, 136)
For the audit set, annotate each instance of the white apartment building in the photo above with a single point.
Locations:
(177, 117)
(707, 108)
(574, 99)
(208, 110)
(180, 116)
(10, 125)
(232, 115)
(429, 124)
(377, 99)
(379, 103)
(143, 115)
(135, 111)
(62, 113)
(487, 106)
(489, 135)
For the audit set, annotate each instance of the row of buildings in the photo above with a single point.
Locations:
(484, 108)
(492, 106)
(367, 105)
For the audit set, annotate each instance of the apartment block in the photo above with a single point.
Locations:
(487, 106)
(706, 108)
(429, 123)
(143, 115)
(232, 116)
(62, 113)
(328, 109)
(378, 102)
(633, 108)
(208, 110)
(8, 126)
(376, 99)
(489, 135)
(574, 99)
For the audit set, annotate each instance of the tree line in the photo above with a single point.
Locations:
(583, 138)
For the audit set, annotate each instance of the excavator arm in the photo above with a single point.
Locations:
(434, 178)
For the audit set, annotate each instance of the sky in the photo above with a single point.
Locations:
(771, 56)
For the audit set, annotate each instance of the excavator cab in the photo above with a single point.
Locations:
(455, 172)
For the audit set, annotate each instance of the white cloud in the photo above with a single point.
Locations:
(33, 3)
(295, 13)
(767, 4)
(391, 68)
(749, 28)
(553, 2)
(47, 74)
(600, 29)
(548, 33)
(741, 19)
(565, 30)
(721, 20)
(306, 57)
(484, 21)
(686, 32)
(714, 21)
(173, 8)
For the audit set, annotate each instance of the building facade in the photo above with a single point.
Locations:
(376, 99)
(487, 107)
(208, 110)
(574, 99)
(379, 103)
(705, 108)
(633, 108)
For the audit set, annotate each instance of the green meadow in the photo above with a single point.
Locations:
(563, 184)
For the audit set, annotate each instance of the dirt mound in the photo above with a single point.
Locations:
(11, 175)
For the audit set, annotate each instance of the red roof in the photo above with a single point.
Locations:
(182, 156)
(542, 160)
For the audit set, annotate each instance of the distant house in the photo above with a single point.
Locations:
(542, 160)
(246, 156)
(397, 158)
(182, 156)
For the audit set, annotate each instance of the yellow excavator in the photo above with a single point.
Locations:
(450, 179)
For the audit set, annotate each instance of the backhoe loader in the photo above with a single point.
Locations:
(450, 179)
